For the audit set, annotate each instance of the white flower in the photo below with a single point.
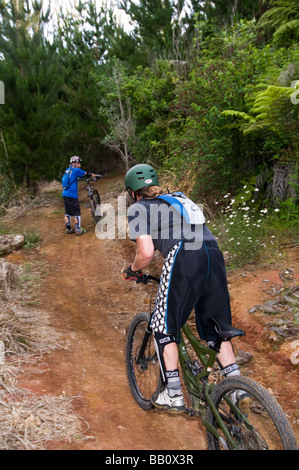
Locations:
(276, 210)
(256, 189)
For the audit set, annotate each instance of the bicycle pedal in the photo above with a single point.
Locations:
(86, 205)
(190, 412)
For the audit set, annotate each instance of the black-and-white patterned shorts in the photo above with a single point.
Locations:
(192, 280)
(158, 322)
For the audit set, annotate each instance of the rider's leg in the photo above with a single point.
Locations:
(226, 355)
(227, 360)
(79, 230)
(77, 223)
(171, 361)
(67, 219)
(171, 356)
(171, 397)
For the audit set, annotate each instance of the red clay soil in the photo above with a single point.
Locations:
(91, 307)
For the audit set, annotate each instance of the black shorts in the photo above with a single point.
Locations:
(192, 279)
(71, 206)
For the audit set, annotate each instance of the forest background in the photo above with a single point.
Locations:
(206, 92)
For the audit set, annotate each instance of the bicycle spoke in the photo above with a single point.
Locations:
(252, 417)
(143, 369)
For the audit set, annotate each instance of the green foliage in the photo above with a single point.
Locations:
(208, 94)
(282, 21)
(249, 232)
(31, 240)
(159, 26)
(29, 119)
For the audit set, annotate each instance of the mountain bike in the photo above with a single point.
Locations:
(95, 200)
(237, 412)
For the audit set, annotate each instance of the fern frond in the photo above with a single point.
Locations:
(286, 27)
(254, 128)
(238, 114)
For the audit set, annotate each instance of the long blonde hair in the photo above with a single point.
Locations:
(150, 192)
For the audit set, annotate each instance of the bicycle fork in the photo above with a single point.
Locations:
(147, 335)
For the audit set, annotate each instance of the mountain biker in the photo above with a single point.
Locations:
(70, 195)
(193, 276)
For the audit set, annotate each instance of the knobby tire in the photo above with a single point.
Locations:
(261, 425)
(95, 202)
(143, 371)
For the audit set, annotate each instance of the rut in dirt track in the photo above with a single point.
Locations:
(91, 306)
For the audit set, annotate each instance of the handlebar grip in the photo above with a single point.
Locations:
(146, 278)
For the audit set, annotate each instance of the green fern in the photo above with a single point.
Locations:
(267, 110)
(282, 20)
(238, 114)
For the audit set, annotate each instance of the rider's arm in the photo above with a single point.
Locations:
(144, 252)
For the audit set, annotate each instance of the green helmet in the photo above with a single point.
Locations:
(140, 176)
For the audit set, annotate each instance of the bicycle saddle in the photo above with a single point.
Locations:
(227, 331)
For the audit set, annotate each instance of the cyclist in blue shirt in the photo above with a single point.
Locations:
(70, 195)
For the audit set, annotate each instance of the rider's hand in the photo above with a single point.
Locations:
(130, 275)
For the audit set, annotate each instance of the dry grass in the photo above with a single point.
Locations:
(32, 422)
(27, 421)
(20, 200)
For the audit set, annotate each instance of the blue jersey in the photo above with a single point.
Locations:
(72, 190)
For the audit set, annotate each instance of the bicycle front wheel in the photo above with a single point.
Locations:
(253, 417)
(141, 360)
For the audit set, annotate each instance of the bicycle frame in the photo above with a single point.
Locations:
(198, 385)
(90, 189)
(236, 412)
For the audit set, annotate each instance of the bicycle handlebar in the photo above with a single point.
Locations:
(91, 178)
(146, 278)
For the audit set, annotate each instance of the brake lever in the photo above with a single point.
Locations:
(143, 280)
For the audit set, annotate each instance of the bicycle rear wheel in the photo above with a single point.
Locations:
(141, 360)
(255, 420)
(95, 203)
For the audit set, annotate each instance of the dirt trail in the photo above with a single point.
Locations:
(91, 307)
